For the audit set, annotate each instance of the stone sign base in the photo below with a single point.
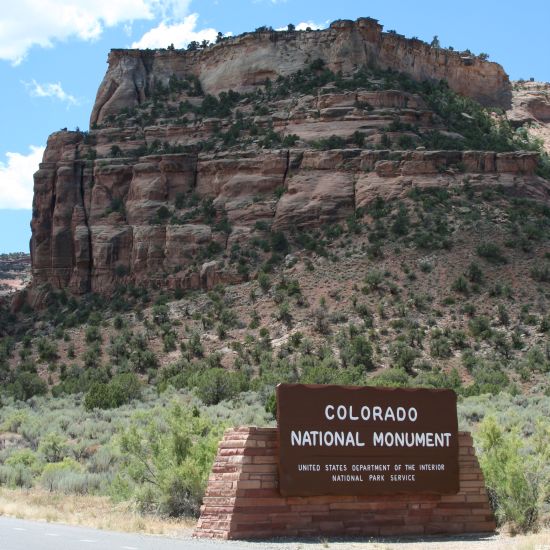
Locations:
(242, 500)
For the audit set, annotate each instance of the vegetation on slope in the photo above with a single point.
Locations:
(467, 125)
(446, 288)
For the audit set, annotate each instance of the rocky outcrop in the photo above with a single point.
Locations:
(245, 62)
(168, 193)
(100, 223)
(531, 106)
(530, 103)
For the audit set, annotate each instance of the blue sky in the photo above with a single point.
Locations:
(53, 56)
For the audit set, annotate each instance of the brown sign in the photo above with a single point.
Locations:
(348, 440)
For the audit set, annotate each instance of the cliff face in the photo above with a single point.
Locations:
(174, 189)
(245, 62)
(531, 106)
(83, 241)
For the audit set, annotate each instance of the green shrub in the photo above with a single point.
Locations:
(321, 321)
(440, 345)
(517, 480)
(26, 385)
(460, 285)
(264, 281)
(279, 242)
(492, 253)
(480, 327)
(169, 341)
(218, 384)
(391, 378)
(401, 223)
(474, 273)
(47, 350)
(357, 353)
(332, 142)
(503, 316)
(168, 455)
(358, 138)
(141, 360)
(20, 468)
(406, 142)
(93, 334)
(122, 389)
(403, 356)
(17, 476)
(285, 314)
(373, 279)
(541, 273)
(53, 447)
(54, 473)
(488, 378)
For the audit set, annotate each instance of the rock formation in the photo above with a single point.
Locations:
(531, 106)
(245, 62)
(147, 198)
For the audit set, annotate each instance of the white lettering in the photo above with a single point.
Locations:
(411, 439)
(339, 438)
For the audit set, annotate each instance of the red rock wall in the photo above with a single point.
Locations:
(242, 500)
(80, 243)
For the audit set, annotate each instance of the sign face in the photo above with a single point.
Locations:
(349, 440)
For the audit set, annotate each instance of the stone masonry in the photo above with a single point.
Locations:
(242, 500)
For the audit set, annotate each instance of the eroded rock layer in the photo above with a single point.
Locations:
(94, 226)
(245, 62)
(171, 184)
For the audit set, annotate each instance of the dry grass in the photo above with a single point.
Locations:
(91, 511)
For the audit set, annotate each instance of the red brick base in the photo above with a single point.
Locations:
(242, 500)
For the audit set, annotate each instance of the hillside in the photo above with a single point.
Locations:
(15, 272)
(282, 206)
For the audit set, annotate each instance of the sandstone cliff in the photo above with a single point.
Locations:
(245, 62)
(531, 107)
(171, 186)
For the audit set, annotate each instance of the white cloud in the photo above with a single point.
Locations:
(305, 24)
(174, 10)
(50, 89)
(313, 26)
(177, 33)
(16, 178)
(28, 23)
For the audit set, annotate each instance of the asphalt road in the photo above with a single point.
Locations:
(16, 534)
